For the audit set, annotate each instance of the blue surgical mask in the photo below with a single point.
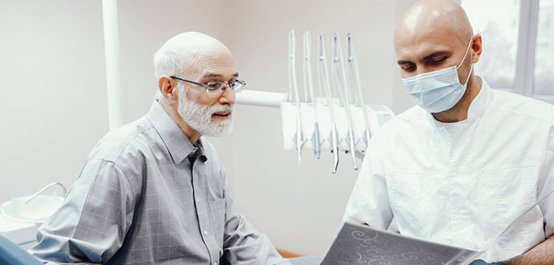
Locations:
(439, 90)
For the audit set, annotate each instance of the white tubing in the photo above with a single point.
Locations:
(111, 46)
(260, 98)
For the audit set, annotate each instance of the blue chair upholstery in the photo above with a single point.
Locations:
(12, 254)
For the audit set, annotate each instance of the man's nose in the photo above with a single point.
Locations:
(227, 97)
(422, 69)
(426, 68)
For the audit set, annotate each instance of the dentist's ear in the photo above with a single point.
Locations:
(476, 48)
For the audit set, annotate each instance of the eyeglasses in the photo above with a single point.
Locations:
(212, 87)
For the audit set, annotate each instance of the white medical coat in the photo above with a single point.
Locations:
(462, 183)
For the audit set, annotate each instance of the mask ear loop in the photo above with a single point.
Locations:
(468, 75)
(465, 55)
(463, 59)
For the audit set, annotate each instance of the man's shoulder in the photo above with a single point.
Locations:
(516, 104)
(410, 120)
(408, 117)
(125, 141)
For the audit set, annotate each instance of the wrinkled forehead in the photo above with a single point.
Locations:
(214, 63)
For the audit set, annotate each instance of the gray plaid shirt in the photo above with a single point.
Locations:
(139, 200)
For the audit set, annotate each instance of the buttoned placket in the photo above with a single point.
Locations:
(457, 187)
(445, 156)
(202, 210)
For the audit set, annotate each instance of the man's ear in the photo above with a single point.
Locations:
(166, 85)
(476, 47)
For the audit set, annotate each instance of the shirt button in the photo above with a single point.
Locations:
(215, 263)
(197, 200)
(205, 232)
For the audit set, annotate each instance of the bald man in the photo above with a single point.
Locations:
(154, 191)
(467, 160)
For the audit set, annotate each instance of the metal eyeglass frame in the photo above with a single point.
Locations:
(211, 89)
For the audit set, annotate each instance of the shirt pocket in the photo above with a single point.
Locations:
(502, 193)
(414, 199)
(217, 217)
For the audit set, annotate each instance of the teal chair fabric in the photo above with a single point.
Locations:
(12, 254)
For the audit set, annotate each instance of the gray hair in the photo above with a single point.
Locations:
(181, 52)
(168, 60)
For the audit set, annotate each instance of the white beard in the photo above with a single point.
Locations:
(199, 117)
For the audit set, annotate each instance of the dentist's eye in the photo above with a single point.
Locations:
(436, 60)
(408, 67)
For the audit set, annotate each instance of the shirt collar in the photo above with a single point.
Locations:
(480, 102)
(176, 142)
(476, 108)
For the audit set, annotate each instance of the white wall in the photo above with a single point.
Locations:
(54, 98)
(52, 91)
(53, 85)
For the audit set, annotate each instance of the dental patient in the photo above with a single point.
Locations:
(154, 191)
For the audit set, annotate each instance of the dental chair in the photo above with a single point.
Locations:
(12, 254)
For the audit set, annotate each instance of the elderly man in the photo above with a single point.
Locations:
(154, 191)
(466, 160)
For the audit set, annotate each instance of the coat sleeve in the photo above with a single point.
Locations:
(369, 200)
